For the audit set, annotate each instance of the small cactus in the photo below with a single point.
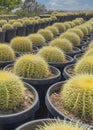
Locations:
(11, 21)
(77, 96)
(84, 65)
(60, 125)
(7, 26)
(53, 29)
(2, 22)
(6, 53)
(90, 45)
(72, 37)
(89, 52)
(0, 29)
(17, 24)
(27, 22)
(31, 66)
(37, 39)
(11, 91)
(61, 27)
(47, 34)
(21, 44)
(83, 29)
(52, 54)
(63, 44)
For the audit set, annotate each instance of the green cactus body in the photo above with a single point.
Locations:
(11, 91)
(47, 34)
(77, 96)
(37, 39)
(63, 44)
(72, 37)
(27, 22)
(52, 54)
(6, 53)
(89, 52)
(53, 29)
(17, 24)
(84, 65)
(91, 45)
(61, 27)
(0, 29)
(2, 22)
(21, 44)
(31, 66)
(11, 21)
(59, 125)
(83, 29)
(7, 26)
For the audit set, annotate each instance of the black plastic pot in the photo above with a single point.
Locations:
(29, 29)
(34, 124)
(10, 122)
(10, 33)
(36, 27)
(61, 65)
(20, 31)
(42, 85)
(53, 111)
(84, 48)
(65, 73)
(78, 56)
(82, 44)
(2, 37)
(76, 51)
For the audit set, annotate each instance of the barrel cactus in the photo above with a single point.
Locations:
(83, 29)
(37, 39)
(47, 34)
(21, 44)
(84, 65)
(89, 52)
(2, 22)
(11, 91)
(61, 27)
(31, 66)
(63, 44)
(60, 125)
(0, 29)
(27, 22)
(77, 96)
(53, 29)
(11, 21)
(6, 53)
(90, 45)
(52, 54)
(7, 26)
(72, 37)
(17, 24)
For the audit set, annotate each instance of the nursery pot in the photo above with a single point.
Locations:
(53, 111)
(76, 51)
(20, 31)
(67, 74)
(11, 121)
(29, 29)
(36, 27)
(2, 36)
(78, 56)
(10, 33)
(61, 65)
(42, 85)
(83, 43)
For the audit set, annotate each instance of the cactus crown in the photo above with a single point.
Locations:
(59, 125)
(27, 22)
(52, 54)
(84, 65)
(80, 90)
(37, 39)
(21, 44)
(7, 26)
(2, 22)
(46, 33)
(61, 27)
(31, 66)
(17, 24)
(89, 52)
(34, 21)
(83, 29)
(0, 29)
(11, 21)
(11, 91)
(72, 37)
(63, 44)
(6, 53)
(53, 29)
(91, 45)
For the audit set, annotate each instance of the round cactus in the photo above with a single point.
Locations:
(37, 39)
(83, 29)
(89, 52)
(2, 22)
(27, 22)
(77, 31)
(54, 17)
(34, 21)
(17, 24)
(63, 44)
(61, 27)
(53, 29)
(52, 54)
(31, 66)
(0, 29)
(7, 26)
(60, 125)
(21, 44)
(77, 96)
(6, 53)
(72, 37)
(46, 33)
(11, 21)
(90, 45)
(11, 91)
(67, 25)
(84, 65)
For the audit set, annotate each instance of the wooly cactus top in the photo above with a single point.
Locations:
(61, 27)
(53, 29)
(7, 26)
(17, 24)
(11, 91)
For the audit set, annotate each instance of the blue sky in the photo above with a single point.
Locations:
(68, 4)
